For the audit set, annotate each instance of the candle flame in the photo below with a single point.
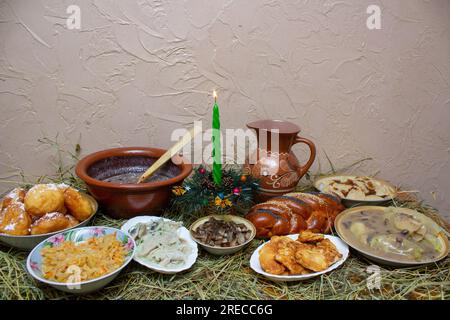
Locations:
(215, 95)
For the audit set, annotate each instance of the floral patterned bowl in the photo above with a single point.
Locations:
(79, 235)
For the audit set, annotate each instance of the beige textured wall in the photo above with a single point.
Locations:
(138, 69)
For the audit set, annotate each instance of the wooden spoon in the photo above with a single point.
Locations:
(169, 154)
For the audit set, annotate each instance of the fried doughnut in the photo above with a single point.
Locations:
(72, 221)
(16, 195)
(50, 222)
(34, 218)
(14, 220)
(79, 206)
(44, 198)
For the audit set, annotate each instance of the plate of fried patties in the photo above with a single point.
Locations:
(298, 257)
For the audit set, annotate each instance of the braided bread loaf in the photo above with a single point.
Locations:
(295, 212)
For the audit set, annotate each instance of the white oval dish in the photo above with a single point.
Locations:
(341, 246)
(182, 232)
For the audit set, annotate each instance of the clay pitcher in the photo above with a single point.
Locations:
(274, 164)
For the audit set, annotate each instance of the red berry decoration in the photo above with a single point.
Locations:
(236, 190)
(243, 178)
(202, 170)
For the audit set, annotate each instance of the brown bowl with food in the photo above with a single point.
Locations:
(222, 234)
(111, 177)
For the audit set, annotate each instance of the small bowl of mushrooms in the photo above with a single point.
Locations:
(222, 234)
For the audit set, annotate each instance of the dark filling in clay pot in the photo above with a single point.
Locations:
(129, 169)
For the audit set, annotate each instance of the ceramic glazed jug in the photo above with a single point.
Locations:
(274, 164)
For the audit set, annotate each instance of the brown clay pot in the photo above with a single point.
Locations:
(278, 171)
(129, 200)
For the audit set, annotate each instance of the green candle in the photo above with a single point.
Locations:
(216, 150)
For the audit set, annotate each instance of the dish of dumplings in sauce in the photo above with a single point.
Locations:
(159, 243)
(358, 188)
(43, 209)
(394, 234)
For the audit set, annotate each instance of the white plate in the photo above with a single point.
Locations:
(341, 246)
(182, 232)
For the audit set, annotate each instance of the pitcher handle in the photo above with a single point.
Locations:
(312, 148)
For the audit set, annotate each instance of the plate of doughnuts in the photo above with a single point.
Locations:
(27, 217)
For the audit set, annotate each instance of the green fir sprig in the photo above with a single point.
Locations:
(199, 192)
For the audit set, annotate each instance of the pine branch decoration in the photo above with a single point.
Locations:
(199, 192)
